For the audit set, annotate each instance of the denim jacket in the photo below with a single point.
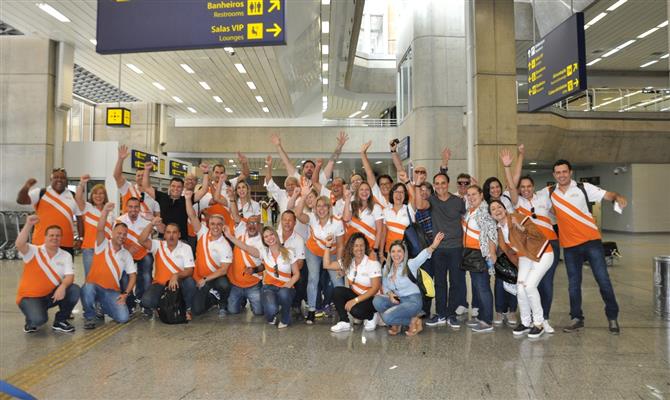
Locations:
(403, 286)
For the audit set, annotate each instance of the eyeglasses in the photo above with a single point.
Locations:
(253, 223)
(532, 213)
(463, 183)
(400, 191)
(420, 172)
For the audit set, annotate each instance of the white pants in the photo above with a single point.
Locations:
(529, 276)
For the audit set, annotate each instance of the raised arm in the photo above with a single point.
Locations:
(342, 138)
(328, 262)
(348, 213)
(200, 193)
(369, 173)
(268, 170)
(79, 196)
(300, 205)
(190, 211)
(395, 157)
(518, 166)
(118, 167)
(144, 239)
(419, 203)
(146, 180)
(425, 254)
(614, 196)
(249, 249)
(21, 242)
(290, 168)
(245, 171)
(232, 204)
(23, 197)
(315, 176)
(506, 158)
(102, 222)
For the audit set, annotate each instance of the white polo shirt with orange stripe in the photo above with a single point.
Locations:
(576, 224)
(471, 230)
(365, 223)
(396, 223)
(337, 205)
(54, 209)
(360, 276)
(242, 260)
(148, 206)
(249, 210)
(540, 205)
(210, 254)
(132, 243)
(295, 243)
(379, 197)
(91, 218)
(42, 274)
(168, 262)
(316, 243)
(108, 266)
(323, 179)
(277, 269)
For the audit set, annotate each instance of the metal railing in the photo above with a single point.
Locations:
(610, 100)
(361, 122)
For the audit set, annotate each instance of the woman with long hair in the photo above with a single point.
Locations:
(361, 214)
(530, 250)
(364, 278)
(397, 217)
(402, 299)
(245, 205)
(91, 210)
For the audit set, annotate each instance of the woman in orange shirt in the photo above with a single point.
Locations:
(91, 210)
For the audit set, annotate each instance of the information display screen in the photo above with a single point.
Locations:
(403, 148)
(126, 26)
(178, 168)
(557, 64)
(138, 158)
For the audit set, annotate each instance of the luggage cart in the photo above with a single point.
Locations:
(5, 238)
(13, 229)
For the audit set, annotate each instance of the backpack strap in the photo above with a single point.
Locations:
(589, 204)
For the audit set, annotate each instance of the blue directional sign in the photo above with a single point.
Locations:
(128, 26)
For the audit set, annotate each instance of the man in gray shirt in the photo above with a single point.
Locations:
(446, 212)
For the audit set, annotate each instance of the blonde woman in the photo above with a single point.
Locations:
(245, 205)
(91, 210)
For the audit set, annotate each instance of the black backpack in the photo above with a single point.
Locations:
(171, 307)
(580, 185)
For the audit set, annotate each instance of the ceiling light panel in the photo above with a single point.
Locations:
(616, 5)
(251, 85)
(204, 85)
(53, 12)
(187, 68)
(240, 68)
(134, 68)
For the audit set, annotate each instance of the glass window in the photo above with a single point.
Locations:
(405, 86)
(376, 39)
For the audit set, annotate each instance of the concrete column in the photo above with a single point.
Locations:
(435, 31)
(494, 78)
(28, 118)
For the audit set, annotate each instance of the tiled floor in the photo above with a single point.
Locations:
(243, 357)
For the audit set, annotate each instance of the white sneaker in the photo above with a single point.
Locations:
(282, 325)
(475, 312)
(341, 327)
(460, 310)
(498, 319)
(511, 318)
(547, 327)
(370, 324)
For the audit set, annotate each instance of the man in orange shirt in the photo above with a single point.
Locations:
(580, 238)
(54, 205)
(47, 279)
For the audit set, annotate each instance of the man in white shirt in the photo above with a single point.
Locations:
(149, 208)
(294, 242)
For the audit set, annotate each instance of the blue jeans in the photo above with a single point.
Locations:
(92, 294)
(505, 301)
(87, 258)
(152, 296)
(448, 261)
(398, 314)
(546, 286)
(253, 294)
(276, 298)
(35, 308)
(145, 268)
(203, 300)
(574, 259)
(481, 285)
(301, 288)
(314, 267)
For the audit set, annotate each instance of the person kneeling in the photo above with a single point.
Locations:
(47, 279)
(104, 281)
(402, 300)
(364, 279)
(173, 266)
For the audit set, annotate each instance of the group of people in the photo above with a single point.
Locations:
(339, 246)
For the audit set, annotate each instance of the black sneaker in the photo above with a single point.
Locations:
(575, 325)
(614, 327)
(89, 324)
(520, 329)
(62, 326)
(536, 332)
(29, 329)
(310, 318)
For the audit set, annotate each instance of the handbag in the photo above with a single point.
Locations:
(505, 269)
(414, 237)
(424, 282)
(473, 261)
(171, 306)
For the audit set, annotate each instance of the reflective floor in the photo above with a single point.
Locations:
(243, 357)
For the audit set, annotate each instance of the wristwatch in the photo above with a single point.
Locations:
(124, 292)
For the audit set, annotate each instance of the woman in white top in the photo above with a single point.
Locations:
(362, 215)
(245, 205)
(322, 226)
(364, 279)
(91, 210)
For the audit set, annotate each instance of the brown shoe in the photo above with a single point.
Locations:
(415, 326)
(394, 330)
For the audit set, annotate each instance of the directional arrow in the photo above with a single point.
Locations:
(275, 5)
(276, 30)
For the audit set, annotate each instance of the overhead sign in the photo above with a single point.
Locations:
(403, 148)
(178, 168)
(127, 26)
(557, 64)
(138, 158)
(118, 116)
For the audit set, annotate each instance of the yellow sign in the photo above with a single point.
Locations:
(118, 116)
(275, 5)
(276, 30)
(255, 7)
(255, 31)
